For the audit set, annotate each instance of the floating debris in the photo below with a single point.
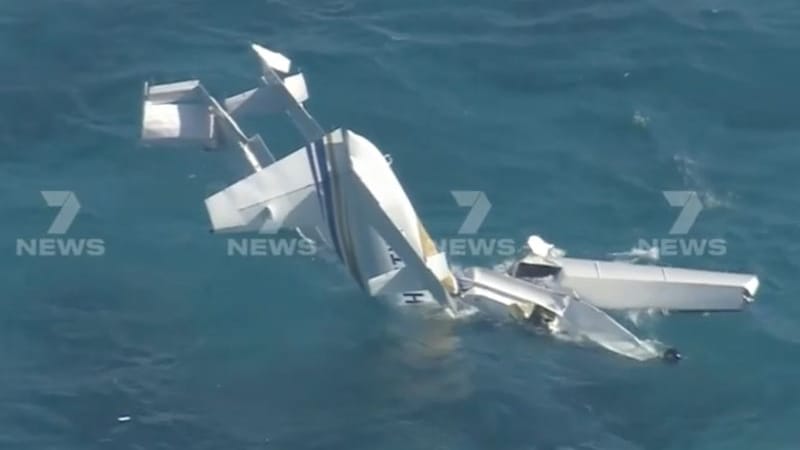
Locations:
(638, 255)
(640, 120)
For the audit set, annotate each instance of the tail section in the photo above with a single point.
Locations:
(268, 99)
(338, 189)
(271, 60)
(184, 114)
(278, 196)
(341, 190)
(278, 94)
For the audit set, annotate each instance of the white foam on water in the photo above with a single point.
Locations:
(650, 254)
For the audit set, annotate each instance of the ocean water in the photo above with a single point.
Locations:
(572, 117)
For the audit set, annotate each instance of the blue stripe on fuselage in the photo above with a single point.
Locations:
(312, 162)
(327, 194)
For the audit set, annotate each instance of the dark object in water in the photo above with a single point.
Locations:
(671, 355)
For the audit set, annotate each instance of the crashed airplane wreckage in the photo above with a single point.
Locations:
(339, 190)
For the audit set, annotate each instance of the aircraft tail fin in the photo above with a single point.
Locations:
(268, 99)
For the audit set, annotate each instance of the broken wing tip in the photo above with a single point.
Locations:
(751, 288)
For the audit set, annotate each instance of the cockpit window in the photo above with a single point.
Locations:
(535, 270)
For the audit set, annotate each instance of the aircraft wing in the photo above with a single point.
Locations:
(507, 296)
(583, 320)
(621, 285)
(617, 285)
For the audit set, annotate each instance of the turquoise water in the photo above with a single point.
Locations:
(571, 116)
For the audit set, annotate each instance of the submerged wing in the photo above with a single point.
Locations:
(506, 296)
(583, 320)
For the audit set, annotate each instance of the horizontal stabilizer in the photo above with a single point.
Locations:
(190, 91)
(177, 123)
(178, 113)
(272, 60)
(268, 99)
